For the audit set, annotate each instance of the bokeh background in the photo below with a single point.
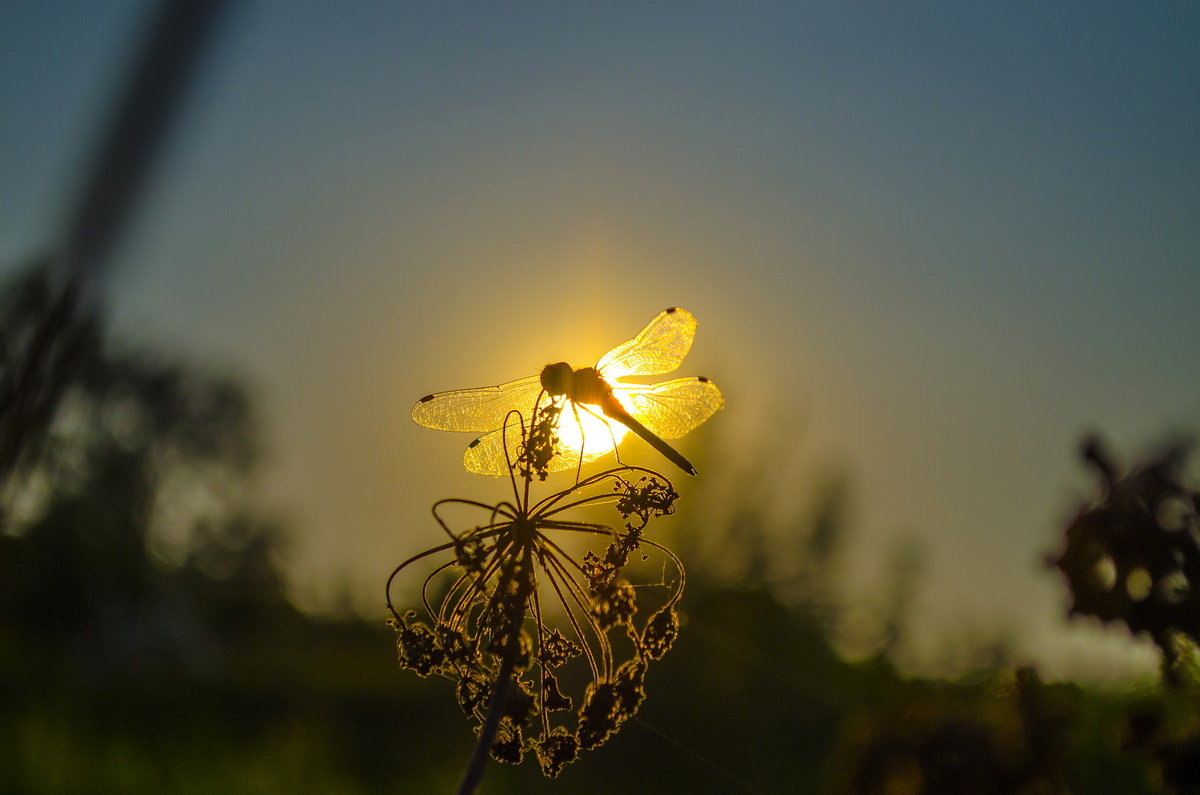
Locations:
(929, 248)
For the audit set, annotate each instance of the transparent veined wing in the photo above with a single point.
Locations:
(672, 408)
(659, 348)
(488, 455)
(480, 409)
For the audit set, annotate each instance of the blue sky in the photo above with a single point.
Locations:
(942, 241)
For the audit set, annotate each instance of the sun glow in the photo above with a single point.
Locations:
(592, 434)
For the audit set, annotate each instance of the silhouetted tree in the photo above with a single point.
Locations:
(142, 455)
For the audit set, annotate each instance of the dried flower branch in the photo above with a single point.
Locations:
(1133, 555)
(524, 619)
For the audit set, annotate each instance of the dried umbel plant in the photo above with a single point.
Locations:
(1133, 555)
(522, 619)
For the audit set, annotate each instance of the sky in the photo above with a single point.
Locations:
(929, 245)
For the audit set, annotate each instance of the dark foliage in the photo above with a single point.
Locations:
(1013, 740)
(1133, 555)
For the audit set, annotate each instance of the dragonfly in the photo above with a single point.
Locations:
(603, 404)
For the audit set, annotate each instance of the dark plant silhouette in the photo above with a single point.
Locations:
(141, 451)
(44, 336)
(1132, 557)
(525, 617)
(1009, 741)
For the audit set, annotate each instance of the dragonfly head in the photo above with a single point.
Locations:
(556, 378)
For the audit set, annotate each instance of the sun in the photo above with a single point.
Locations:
(588, 433)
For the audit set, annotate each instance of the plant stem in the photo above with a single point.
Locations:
(500, 692)
(487, 732)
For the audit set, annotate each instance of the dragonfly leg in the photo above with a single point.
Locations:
(582, 441)
(612, 436)
(616, 446)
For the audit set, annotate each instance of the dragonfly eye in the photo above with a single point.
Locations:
(556, 378)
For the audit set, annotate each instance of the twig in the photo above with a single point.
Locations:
(502, 688)
(487, 732)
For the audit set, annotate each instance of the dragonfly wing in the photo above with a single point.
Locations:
(658, 349)
(490, 454)
(481, 409)
(486, 455)
(672, 408)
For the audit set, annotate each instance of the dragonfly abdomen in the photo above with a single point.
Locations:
(614, 410)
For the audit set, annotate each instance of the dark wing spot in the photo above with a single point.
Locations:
(671, 309)
(426, 399)
(702, 379)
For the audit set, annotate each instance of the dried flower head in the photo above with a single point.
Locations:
(525, 620)
(1133, 555)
